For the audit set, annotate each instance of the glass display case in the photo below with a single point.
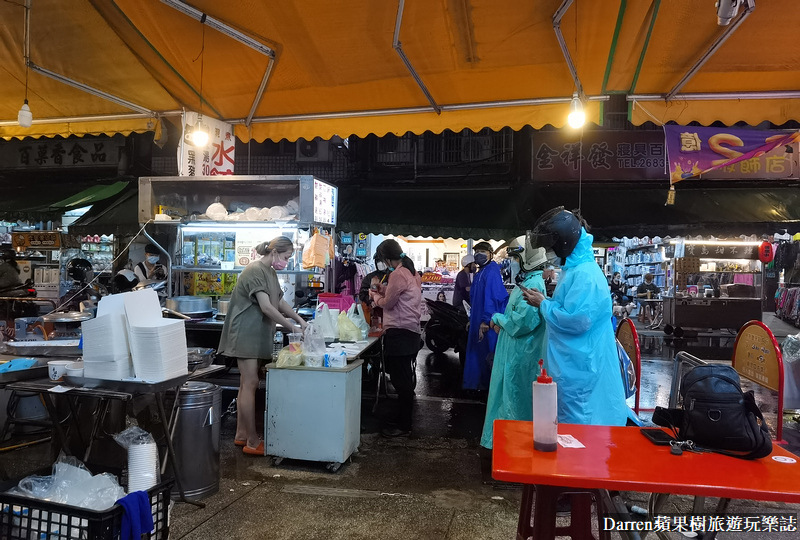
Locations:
(220, 221)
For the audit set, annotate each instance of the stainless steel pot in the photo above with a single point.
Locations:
(223, 306)
(190, 304)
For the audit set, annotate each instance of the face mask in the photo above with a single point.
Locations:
(152, 259)
(515, 268)
(280, 264)
(481, 259)
(552, 258)
(380, 265)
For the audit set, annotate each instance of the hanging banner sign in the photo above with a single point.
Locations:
(216, 158)
(717, 153)
(601, 155)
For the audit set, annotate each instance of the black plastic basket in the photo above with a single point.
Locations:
(22, 518)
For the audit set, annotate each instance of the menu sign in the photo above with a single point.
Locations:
(325, 196)
(246, 242)
(756, 355)
(36, 240)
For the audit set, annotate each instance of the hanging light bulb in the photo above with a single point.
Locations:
(199, 134)
(25, 117)
(576, 117)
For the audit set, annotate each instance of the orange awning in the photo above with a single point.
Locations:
(487, 63)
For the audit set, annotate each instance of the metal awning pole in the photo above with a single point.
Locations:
(169, 260)
(719, 96)
(399, 48)
(93, 118)
(417, 110)
(557, 16)
(751, 5)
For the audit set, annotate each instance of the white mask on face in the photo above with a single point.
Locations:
(552, 258)
(152, 259)
(380, 265)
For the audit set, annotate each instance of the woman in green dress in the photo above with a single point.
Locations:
(256, 307)
(520, 346)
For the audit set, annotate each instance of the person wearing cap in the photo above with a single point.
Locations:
(520, 345)
(488, 296)
(149, 268)
(464, 282)
(581, 349)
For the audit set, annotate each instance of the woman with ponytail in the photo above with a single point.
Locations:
(401, 301)
(257, 307)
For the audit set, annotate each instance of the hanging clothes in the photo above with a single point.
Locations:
(487, 297)
(520, 346)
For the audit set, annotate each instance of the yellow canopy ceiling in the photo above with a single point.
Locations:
(336, 71)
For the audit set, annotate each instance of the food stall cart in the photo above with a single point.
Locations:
(219, 220)
(314, 414)
(713, 313)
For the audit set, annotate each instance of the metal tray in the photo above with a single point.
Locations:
(128, 387)
(45, 348)
(38, 372)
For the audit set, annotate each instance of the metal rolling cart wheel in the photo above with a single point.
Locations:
(333, 467)
(276, 461)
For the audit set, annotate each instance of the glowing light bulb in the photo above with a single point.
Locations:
(25, 117)
(199, 134)
(576, 117)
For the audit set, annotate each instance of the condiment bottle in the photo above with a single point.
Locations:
(545, 412)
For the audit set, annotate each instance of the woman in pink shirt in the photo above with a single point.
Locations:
(401, 301)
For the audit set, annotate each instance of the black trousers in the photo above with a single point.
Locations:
(401, 348)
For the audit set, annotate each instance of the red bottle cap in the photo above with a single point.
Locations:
(543, 378)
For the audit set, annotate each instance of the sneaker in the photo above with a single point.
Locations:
(393, 433)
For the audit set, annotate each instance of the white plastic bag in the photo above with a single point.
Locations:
(313, 346)
(323, 318)
(356, 314)
(71, 483)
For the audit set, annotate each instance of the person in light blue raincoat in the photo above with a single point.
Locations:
(581, 349)
(487, 297)
(520, 346)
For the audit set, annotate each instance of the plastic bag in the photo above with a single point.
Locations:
(348, 331)
(317, 252)
(313, 346)
(323, 318)
(71, 483)
(356, 314)
(144, 467)
(288, 358)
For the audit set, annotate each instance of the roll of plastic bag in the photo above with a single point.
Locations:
(252, 214)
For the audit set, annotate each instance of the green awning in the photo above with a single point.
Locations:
(90, 196)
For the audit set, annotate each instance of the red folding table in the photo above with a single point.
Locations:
(622, 459)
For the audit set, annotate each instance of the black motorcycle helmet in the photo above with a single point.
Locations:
(559, 231)
(80, 270)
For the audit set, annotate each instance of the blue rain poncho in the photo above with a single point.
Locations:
(488, 296)
(581, 349)
(520, 346)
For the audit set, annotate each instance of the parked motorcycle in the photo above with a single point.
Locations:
(446, 329)
(11, 309)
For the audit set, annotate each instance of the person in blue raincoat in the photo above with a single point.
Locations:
(520, 346)
(487, 297)
(581, 349)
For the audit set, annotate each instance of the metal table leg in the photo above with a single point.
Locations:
(51, 410)
(97, 419)
(171, 455)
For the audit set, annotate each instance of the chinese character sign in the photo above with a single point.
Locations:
(59, 154)
(729, 153)
(620, 155)
(216, 158)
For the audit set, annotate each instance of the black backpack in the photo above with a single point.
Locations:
(716, 414)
